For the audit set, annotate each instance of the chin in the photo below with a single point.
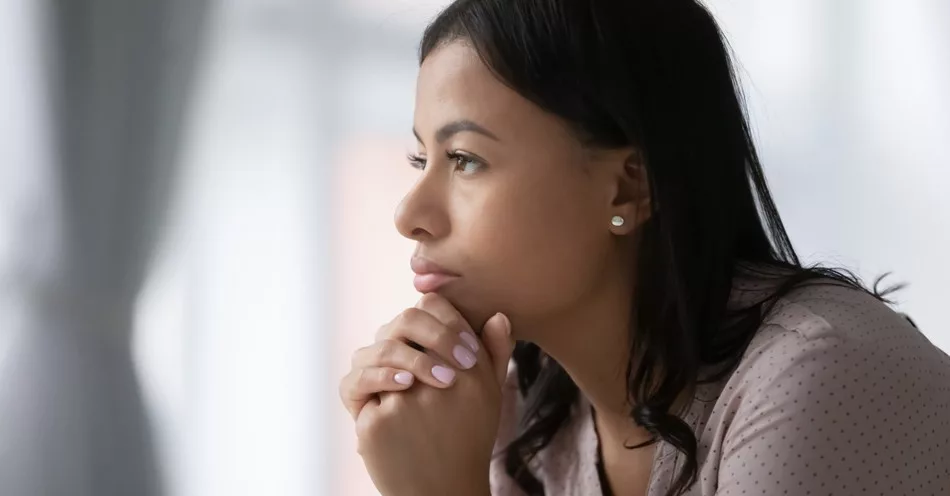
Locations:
(472, 308)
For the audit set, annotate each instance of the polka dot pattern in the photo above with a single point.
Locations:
(836, 395)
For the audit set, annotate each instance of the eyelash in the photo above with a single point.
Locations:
(419, 162)
(416, 161)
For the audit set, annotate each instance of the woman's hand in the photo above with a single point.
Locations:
(391, 364)
(435, 438)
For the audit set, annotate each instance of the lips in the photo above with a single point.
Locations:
(430, 276)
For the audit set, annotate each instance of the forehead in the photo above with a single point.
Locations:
(455, 84)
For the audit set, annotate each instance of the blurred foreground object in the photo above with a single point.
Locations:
(72, 421)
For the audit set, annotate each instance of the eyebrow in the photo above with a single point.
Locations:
(459, 126)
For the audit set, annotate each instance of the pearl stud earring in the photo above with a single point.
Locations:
(617, 221)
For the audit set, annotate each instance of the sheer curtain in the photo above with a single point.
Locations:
(72, 420)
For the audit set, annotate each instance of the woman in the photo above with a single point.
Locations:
(589, 189)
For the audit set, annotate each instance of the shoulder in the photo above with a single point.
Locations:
(835, 382)
(837, 332)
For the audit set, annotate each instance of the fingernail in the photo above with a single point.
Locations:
(507, 324)
(471, 341)
(444, 375)
(404, 378)
(464, 356)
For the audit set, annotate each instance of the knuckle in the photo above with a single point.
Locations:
(382, 332)
(401, 320)
(362, 379)
(349, 384)
(385, 350)
(395, 402)
(456, 323)
(412, 324)
(420, 363)
(343, 388)
(445, 340)
(382, 375)
(356, 355)
(429, 301)
(411, 315)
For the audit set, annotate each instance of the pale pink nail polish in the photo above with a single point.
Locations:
(444, 375)
(404, 378)
(471, 341)
(464, 356)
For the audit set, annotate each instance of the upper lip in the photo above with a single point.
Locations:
(422, 265)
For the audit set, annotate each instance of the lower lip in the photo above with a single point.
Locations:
(427, 283)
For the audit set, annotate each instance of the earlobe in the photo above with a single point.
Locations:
(621, 226)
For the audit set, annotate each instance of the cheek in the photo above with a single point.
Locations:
(532, 249)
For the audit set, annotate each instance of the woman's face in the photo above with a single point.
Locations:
(507, 198)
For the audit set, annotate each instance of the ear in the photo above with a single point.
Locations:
(630, 191)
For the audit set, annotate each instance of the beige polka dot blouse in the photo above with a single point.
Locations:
(836, 395)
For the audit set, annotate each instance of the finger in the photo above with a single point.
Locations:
(418, 326)
(496, 335)
(361, 385)
(398, 355)
(444, 311)
(364, 421)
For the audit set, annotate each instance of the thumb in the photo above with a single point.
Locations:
(496, 335)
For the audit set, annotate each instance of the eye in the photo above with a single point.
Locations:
(465, 163)
(416, 161)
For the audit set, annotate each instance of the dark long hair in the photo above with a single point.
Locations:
(654, 75)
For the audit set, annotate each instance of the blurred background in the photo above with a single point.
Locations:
(196, 203)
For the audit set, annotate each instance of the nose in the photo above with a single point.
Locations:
(421, 214)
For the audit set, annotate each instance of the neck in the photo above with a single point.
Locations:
(591, 342)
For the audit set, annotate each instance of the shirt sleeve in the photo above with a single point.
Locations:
(829, 415)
